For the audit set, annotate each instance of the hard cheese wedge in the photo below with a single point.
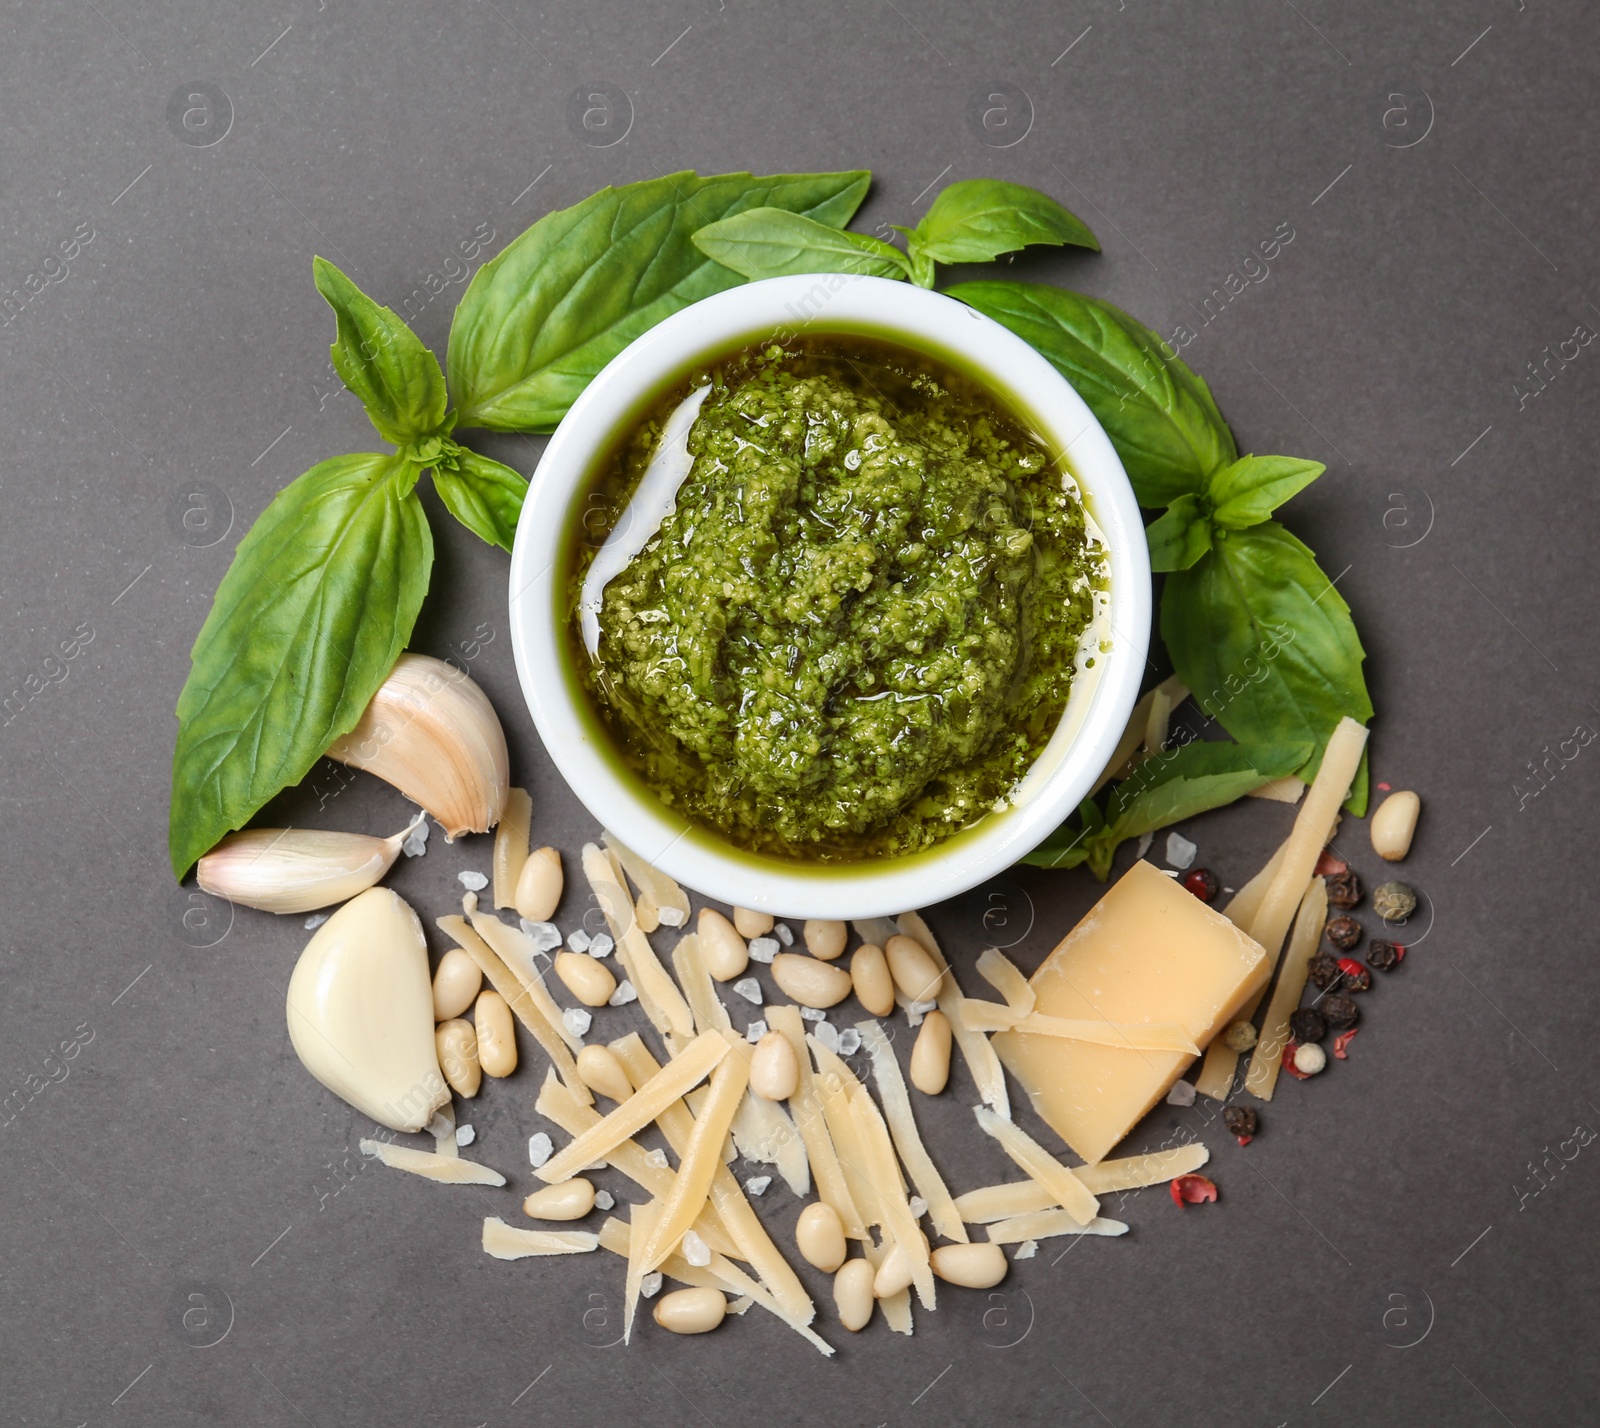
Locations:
(1148, 951)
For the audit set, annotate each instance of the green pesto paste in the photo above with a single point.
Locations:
(859, 625)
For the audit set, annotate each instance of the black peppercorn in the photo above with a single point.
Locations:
(1358, 980)
(1307, 1024)
(1340, 1012)
(1323, 969)
(1202, 882)
(1343, 933)
(1240, 1120)
(1385, 956)
(1344, 889)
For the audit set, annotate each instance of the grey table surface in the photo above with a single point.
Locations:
(188, 1233)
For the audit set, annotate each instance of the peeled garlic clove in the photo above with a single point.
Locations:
(360, 1010)
(432, 733)
(296, 869)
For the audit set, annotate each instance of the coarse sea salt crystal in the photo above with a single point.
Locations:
(650, 1285)
(784, 933)
(1027, 1249)
(695, 1249)
(755, 1031)
(545, 936)
(849, 1041)
(578, 940)
(1181, 1094)
(1180, 851)
(915, 1011)
(672, 916)
(623, 994)
(465, 1135)
(757, 1184)
(657, 1158)
(316, 920)
(827, 1035)
(918, 1207)
(416, 843)
(540, 1149)
(749, 989)
(1145, 840)
(577, 1020)
(603, 1200)
(763, 949)
(813, 1014)
(601, 946)
(471, 881)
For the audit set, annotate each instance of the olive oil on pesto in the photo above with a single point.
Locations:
(858, 627)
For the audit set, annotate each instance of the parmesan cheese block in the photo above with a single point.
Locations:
(1147, 952)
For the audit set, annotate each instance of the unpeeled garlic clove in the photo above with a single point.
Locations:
(432, 733)
(296, 869)
(360, 1010)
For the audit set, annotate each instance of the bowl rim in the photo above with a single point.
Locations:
(1098, 708)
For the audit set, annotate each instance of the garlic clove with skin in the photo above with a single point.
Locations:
(297, 869)
(360, 1009)
(432, 733)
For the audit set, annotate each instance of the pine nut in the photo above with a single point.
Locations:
(1393, 825)
(601, 1072)
(913, 970)
(819, 1236)
(930, 1055)
(587, 979)
(979, 1265)
(455, 984)
(691, 1311)
(752, 924)
(457, 1045)
(497, 1040)
(539, 886)
(570, 1200)
(775, 1069)
(810, 982)
(825, 938)
(721, 948)
(852, 1294)
(869, 971)
(894, 1273)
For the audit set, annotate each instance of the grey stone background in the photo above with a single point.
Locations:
(189, 1235)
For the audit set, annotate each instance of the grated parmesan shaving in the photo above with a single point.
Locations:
(448, 1170)
(505, 1241)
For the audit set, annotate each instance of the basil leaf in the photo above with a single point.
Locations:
(382, 361)
(774, 243)
(548, 312)
(1067, 847)
(1246, 493)
(312, 614)
(1177, 784)
(978, 219)
(1180, 537)
(483, 495)
(1159, 415)
(1265, 641)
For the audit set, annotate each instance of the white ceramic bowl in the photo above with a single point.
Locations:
(1102, 696)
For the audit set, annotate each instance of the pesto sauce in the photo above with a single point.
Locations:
(858, 627)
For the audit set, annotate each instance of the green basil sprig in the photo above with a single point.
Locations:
(538, 321)
(971, 221)
(1165, 789)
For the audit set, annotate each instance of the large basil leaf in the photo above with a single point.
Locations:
(1266, 642)
(382, 361)
(312, 614)
(975, 220)
(1246, 493)
(483, 495)
(1068, 846)
(540, 319)
(774, 243)
(1159, 415)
